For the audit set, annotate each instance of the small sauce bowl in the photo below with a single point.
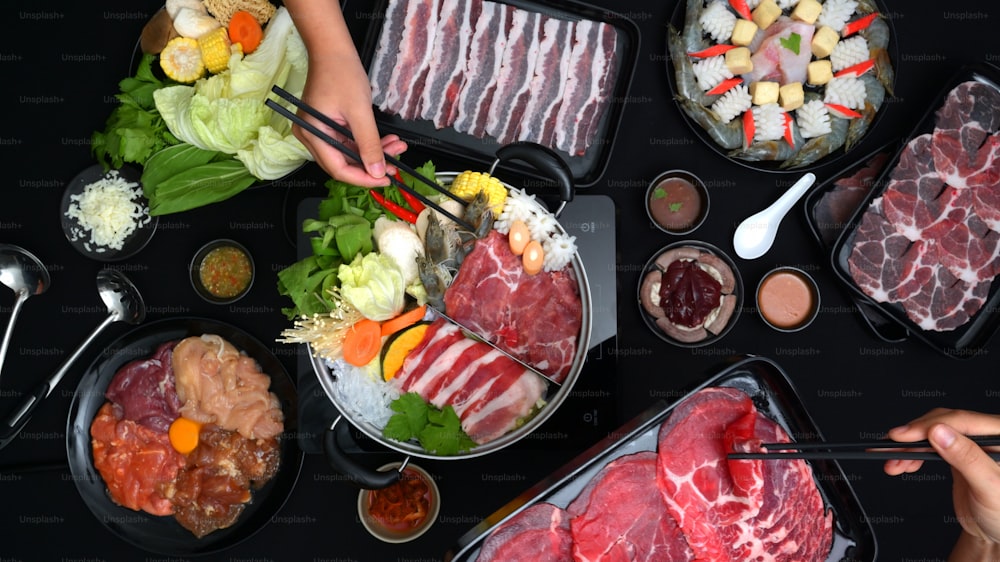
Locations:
(788, 299)
(222, 271)
(677, 202)
(415, 490)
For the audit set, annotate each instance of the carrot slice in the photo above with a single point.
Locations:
(183, 434)
(405, 319)
(518, 237)
(362, 342)
(244, 29)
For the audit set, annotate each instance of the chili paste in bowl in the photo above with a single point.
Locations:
(222, 271)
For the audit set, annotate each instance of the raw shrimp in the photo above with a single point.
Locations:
(687, 85)
(435, 280)
(727, 135)
(694, 39)
(479, 214)
(442, 245)
(818, 147)
(874, 96)
(877, 36)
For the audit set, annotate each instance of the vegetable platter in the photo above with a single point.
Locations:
(192, 114)
(780, 85)
(389, 362)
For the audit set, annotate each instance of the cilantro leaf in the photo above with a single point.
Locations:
(676, 206)
(439, 431)
(443, 434)
(659, 193)
(791, 42)
(410, 418)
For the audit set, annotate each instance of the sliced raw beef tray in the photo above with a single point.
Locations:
(464, 77)
(828, 211)
(924, 245)
(554, 514)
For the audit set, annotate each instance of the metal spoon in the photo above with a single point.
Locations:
(756, 233)
(26, 276)
(124, 304)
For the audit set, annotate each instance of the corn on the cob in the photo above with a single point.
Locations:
(468, 184)
(180, 59)
(215, 50)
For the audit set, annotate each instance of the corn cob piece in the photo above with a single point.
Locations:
(180, 59)
(468, 184)
(215, 50)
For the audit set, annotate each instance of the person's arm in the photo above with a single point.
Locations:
(338, 86)
(976, 476)
(974, 549)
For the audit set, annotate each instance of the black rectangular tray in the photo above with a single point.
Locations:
(968, 340)
(826, 235)
(772, 392)
(587, 168)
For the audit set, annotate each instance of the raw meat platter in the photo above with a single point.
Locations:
(850, 536)
(828, 210)
(924, 245)
(561, 75)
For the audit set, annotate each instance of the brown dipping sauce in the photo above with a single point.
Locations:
(675, 204)
(786, 299)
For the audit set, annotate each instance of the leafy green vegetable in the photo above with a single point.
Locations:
(306, 282)
(135, 130)
(791, 42)
(439, 431)
(659, 193)
(226, 112)
(374, 285)
(676, 206)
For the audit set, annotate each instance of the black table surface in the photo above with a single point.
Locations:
(63, 60)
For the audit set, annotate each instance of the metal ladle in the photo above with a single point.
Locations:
(27, 276)
(124, 304)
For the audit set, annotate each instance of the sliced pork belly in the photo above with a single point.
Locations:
(412, 59)
(512, 93)
(592, 63)
(489, 41)
(387, 52)
(489, 392)
(447, 69)
(548, 83)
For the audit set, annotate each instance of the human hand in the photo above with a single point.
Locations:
(976, 488)
(338, 87)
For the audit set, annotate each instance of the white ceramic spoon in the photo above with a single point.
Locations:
(756, 233)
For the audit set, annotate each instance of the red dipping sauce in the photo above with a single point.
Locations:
(403, 506)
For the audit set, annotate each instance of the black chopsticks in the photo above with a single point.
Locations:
(870, 450)
(325, 119)
(356, 157)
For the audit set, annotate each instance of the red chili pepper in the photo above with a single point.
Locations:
(404, 214)
(712, 51)
(789, 136)
(857, 69)
(843, 111)
(852, 27)
(741, 8)
(749, 128)
(410, 198)
(724, 86)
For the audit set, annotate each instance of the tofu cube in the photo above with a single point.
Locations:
(824, 40)
(791, 96)
(807, 11)
(743, 32)
(738, 60)
(819, 72)
(764, 92)
(766, 13)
